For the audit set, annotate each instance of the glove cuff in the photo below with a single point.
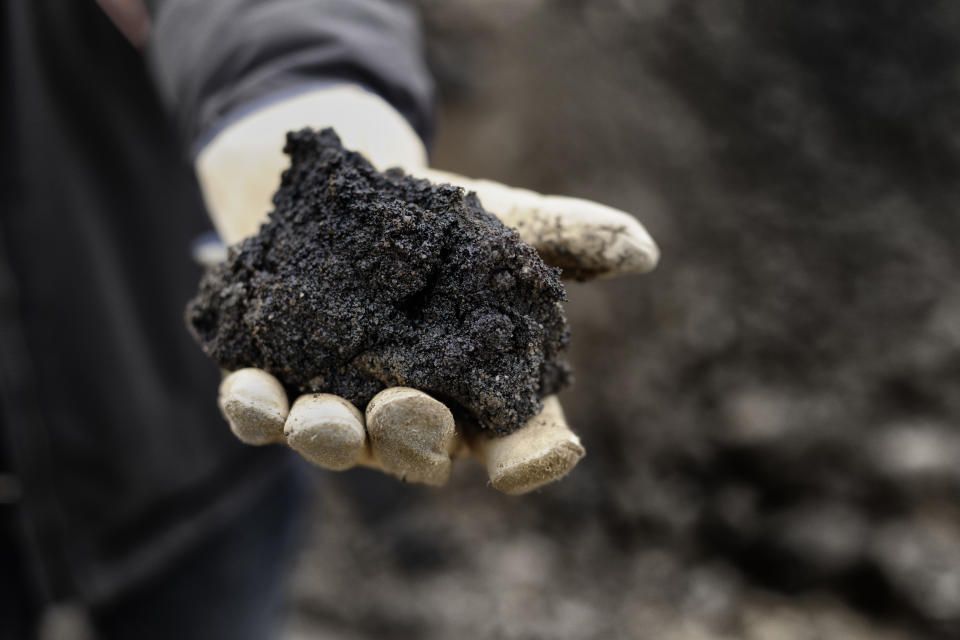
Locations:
(239, 168)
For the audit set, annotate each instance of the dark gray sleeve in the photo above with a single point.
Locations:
(212, 58)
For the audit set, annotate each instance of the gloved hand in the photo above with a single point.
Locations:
(404, 431)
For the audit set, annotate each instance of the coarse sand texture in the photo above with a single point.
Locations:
(362, 280)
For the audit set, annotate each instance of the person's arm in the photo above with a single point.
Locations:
(238, 163)
(215, 60)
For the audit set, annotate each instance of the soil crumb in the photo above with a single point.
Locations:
(362, 280)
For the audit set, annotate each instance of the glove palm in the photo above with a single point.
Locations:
(404, 432)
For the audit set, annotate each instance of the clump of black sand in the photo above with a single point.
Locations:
(362, 280)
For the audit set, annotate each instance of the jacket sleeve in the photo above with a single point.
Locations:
(212, 58)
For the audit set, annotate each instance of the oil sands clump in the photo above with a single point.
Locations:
(362, 280)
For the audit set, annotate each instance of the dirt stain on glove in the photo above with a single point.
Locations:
(362, 280)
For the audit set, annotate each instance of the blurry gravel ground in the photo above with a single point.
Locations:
(772, 417)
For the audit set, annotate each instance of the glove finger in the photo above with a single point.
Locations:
(540, 452)
(255, 405)
(586, 239)
(411, 435)
(327, 430)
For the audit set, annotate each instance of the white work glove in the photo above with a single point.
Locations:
(404, 432)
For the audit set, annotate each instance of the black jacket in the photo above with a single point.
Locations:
(107, 409)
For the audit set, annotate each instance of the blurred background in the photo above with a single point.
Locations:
(771, 418)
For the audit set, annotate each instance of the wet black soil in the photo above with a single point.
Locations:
(362, 280)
